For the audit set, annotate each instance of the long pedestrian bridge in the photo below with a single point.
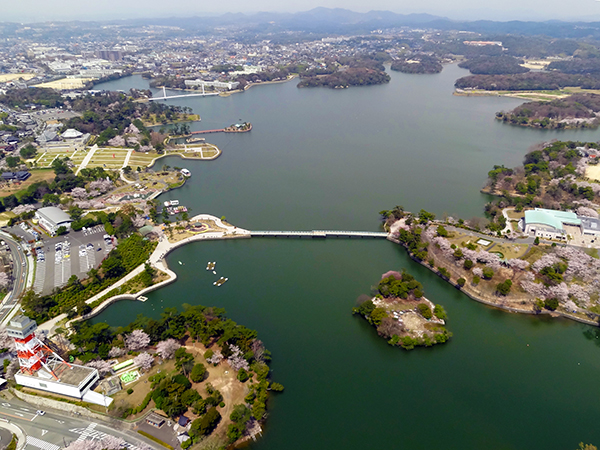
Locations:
(321, 234)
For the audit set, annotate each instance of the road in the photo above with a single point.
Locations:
(57, 429)
(20, 271)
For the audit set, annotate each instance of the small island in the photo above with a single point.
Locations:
(576, 111)
(401, 313)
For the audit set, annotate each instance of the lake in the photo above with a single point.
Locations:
(332, 159)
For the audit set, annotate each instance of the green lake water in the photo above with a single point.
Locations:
(331, 159)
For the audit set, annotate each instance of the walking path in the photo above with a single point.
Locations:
(158, 262)
(126, 162)
(87, 158)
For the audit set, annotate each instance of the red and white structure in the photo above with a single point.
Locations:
(33, 354)
(43, 369)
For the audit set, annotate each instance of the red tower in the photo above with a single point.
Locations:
(33, 354)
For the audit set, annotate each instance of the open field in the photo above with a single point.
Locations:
(5, 77)
(536, 64)
(513, 215)
(36, 175)
(593, 172)
(65, 83)
(510, 251)
(116, 158)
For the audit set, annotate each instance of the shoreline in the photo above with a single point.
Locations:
(235, 91)
(473, 295)
(158, 262)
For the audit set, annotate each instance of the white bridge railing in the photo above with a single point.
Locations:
(321, 234)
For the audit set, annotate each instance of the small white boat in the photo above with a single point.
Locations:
(174, 202)
(186, 173)
(167, 203)
(180, 263)
(215, 272)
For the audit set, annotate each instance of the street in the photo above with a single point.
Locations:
(19, 273)
(56, 429)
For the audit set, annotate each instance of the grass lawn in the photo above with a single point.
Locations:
(535, 253)
(513, 215)
(511, 251)
(36, 175)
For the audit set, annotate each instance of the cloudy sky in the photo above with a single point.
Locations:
(44, 10)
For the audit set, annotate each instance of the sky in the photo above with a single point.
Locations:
(50, 10)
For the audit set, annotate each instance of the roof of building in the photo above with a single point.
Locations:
(54, 214)
(146, 229)
(590, 223)
(72, 133)
(551, 218)
(70, 374)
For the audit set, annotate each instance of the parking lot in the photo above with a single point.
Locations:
(58, 258)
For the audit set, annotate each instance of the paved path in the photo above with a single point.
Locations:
(126, 162)
(87, 158)
(157, 261)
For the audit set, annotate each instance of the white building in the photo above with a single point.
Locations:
(51, 218)
(41, 368)
(229, 85)
(548, 223)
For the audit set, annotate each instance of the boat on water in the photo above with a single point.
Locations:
(211, 265)
(180, 263)
(174, 202)
(220, 282)
(186, 173)
(172, 210)
(195, 139)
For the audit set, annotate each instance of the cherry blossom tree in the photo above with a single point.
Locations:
(85, 445)
(517, 263)
(79, 193)
(115, 352)
(237, 360)
(478, 272)
(216, 358)
(138, 221)
(137, 340)
(5, 340)
(166, 349)
(587, 212)
(103, 367)
(4, 280)
(144, 360)
(545, 261)
(23, 209)
(101, 186)
(113, 443)
(117, 141)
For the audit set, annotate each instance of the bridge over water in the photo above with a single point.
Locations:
(321, 234)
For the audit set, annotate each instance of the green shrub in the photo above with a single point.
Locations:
(439, 312)
(461, 282)
(129, 391)
(425, 310)
(551, 304)
(243, 375)
(488, 273)
(198, 373)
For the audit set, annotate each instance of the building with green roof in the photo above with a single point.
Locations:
(549, 223)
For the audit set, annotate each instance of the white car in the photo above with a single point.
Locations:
(39, 412)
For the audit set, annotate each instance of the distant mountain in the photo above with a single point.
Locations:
(317, 19)
(339, 20)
